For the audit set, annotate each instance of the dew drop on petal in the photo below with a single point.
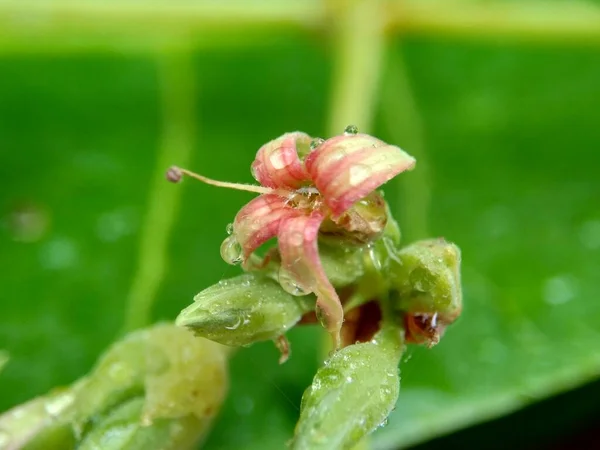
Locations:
(229, 228)
(231, 250)
(277, 161)
(351, 130)
(359, 173)
(316, 142)
(290, 284)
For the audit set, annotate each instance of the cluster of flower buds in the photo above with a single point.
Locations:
(147, 391)
(337, 261)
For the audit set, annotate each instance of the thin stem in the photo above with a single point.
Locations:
(358, 42)
(524, 20)
(134, 26)
(178, 94)
(403, 123)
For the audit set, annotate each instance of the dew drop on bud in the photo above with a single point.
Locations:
(229, 228)
(289, 283)
(174, 174)
(231, 250)
(316, 142)
(351, 130)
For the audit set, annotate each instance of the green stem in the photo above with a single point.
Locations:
(134, 26)
(178, 97)
(522, 20)
(403, 123)
(358, 43)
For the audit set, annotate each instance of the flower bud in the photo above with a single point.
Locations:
(177, 374)
(343, 265)
(427, 288)
(244, 310)
(121, 429)
(175, 381)
(351, 395)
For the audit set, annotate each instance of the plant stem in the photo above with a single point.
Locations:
(134, 26)
(358, 43)
(523, 20)
(403, 123)
(178, 95)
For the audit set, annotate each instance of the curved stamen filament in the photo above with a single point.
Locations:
(175, 173)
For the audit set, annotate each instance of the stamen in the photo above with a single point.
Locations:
(174, 174)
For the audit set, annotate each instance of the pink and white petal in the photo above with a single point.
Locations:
(258, 221)
(277, 164)
(346, 169)
(300, 260)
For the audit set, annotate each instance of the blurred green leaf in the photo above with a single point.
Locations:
(511, 136)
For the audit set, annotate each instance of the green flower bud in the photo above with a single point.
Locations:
(351, 395)
(343, 265)
(176, 381)
(122, 429)
(244, 310)
(176, 374)
(426, 287)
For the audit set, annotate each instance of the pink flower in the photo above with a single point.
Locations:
(303, 183)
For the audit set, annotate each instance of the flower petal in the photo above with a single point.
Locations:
(258, 221)
(277, 164)
(300, 261)
(345, 169)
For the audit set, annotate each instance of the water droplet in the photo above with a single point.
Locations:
(351, 130)
(560, 289)
(58, 404)
(321, 316)
(254, 170)
(231, 250)
(359, 173)
(349, 379)
(277, 161)
(246, 282)
(316, 142)
(235, 325)
(374, 258)
(229, 228)
(289, 283)
(384, 423)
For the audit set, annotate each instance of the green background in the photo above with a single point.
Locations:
(506, 136)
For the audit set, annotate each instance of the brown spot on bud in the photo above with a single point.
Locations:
(174, 174)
